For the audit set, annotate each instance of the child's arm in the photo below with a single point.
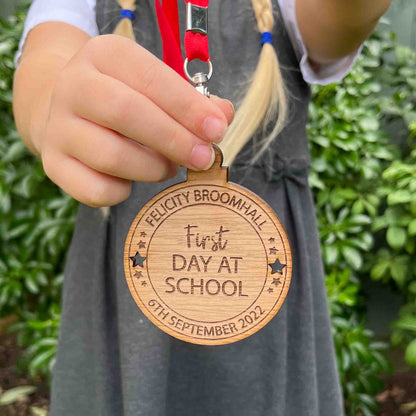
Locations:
(86, 106)
(334, 28)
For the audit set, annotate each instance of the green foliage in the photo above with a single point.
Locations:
(398, 224)
(395, 224)
(36, 223)
(42, 337)
(395, 261)
(355, 152)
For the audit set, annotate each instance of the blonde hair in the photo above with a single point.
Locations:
(265, 101)
(125, 26)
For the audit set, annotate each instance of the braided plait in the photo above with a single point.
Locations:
(125, 26)
(265, 101)
(264, 15)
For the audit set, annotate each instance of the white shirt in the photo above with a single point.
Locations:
(81, 13)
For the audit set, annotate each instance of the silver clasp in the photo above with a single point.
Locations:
(200, 79)
(197, 21)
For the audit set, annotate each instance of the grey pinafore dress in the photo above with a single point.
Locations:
(113, 361)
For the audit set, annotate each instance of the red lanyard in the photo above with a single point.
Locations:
(196, 40)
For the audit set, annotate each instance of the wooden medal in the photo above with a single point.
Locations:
(206, 260)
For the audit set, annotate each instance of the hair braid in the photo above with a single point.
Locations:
(125, 26)
(264, 15)
(265, 100)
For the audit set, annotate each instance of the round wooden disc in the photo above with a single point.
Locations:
(207, 261)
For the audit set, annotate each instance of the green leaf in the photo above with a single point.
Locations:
(15, 151)
(15, 394)
(383, 153)
(31, 285)
(412, 228)
(399, 272)
(322, 141)
(369, 124)
(331, 254)
(399, 197)
(407, 322)
(41, 359)
(361, 219)
(396, 237)
(352, 256)
(411, 353)
(37, 411)
(379, 270)
(358, 207)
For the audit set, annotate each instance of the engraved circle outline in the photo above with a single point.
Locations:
(253, 328)
(176, 188)
(186, 317)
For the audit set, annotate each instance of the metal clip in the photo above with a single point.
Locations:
(200, 79)
(197, 18)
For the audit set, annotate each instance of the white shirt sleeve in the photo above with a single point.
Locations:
(326, 73)
(79, 13)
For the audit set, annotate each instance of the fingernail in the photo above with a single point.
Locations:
(214, 128)
(202, 157)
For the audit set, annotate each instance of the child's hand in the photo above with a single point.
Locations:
(117, 114)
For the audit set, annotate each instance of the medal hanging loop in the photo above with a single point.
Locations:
(196, 42)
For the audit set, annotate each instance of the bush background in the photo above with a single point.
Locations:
(362, 139)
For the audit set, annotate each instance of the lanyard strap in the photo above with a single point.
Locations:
(172, 54)
(196, 39)
(171, 11)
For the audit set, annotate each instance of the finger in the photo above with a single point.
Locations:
(86, 185)
(141, 70)
(112, 104)
(226, 107)
(109, 152)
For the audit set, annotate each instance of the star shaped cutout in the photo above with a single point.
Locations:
(271, 240)
(143, 234)
(270, 290)
(144, 283)
(273, 250)
(277, 267)
(141, 244)
(137, 259)
(276, 282)
(138, 274)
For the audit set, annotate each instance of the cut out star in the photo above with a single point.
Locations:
(276, 282)
(141, 244)
(144, 283)
(273, 250)
(270, 290)
(143, 234)
(137, 260)
(277, 267)
(138, 274)
(271, 240)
